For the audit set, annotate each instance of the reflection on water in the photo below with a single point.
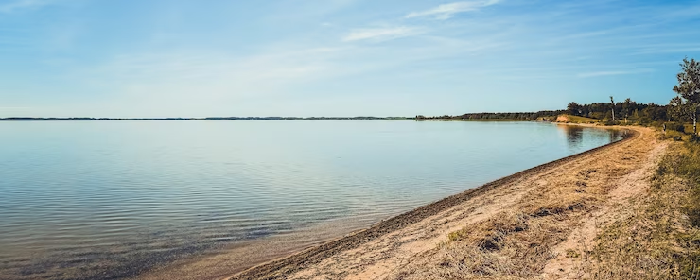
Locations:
(577, 136)
(108, 200)
(574, 135)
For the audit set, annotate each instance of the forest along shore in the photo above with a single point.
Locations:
(537, 223)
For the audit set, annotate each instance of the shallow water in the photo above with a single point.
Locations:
(110, 199)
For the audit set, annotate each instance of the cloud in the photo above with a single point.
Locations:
(613, 73)
(446, 11)
(21, 4)
(193, 81)
(380, 33)
(666, 49)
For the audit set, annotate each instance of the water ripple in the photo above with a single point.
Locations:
(108, 200)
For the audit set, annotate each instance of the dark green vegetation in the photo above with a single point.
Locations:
(681, 109)
(627, 112)
(686, 104)
(522, 116)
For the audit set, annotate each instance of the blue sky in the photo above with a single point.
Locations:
(174, 58)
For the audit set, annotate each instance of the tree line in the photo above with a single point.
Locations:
(519, 116)
(627, 111)
(683, 108)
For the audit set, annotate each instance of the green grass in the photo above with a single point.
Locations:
(577, 119)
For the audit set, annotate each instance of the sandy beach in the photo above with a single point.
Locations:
(522, 225)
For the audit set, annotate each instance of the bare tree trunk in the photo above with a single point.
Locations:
(613, 113)
(694, 116)
(613, 107)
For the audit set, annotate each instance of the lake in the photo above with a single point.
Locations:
(111, 199)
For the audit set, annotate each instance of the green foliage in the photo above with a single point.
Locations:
(688, 78)
(575, 109)
(611, 122)
(686, 104)
(682, 108)
(676, 126)
(517, 116)
(596, 115)
(631, 111)
(626, 110)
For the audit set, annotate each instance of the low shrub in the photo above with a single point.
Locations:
(611, 122)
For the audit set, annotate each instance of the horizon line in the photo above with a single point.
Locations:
(198, 119)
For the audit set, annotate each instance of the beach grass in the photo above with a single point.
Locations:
(661, 237)
(650, 234)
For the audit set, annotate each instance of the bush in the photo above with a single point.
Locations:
(611, 122)
(646, 121)
(679, 127)
(675, 126)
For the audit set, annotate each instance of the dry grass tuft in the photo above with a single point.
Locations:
(658, 240)
(509, 246)
(519, 242)
(512, 244)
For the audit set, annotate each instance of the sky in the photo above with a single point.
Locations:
(176, 58)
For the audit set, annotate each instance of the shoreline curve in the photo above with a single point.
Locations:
(278, 268)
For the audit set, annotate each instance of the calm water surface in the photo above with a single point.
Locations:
(109, 199)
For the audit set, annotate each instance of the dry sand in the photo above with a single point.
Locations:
(521, 226)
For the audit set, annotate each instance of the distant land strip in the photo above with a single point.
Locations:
(519, 116)
(206, 119)
(629, 111)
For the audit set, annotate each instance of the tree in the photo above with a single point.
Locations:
(688, 90)
(613, 108)
(626, 109)
(574, 109)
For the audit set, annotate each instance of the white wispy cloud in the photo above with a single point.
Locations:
(195, 82)
(381, 33)
(667, 48)
(12, 6)
(614, 72)
(446, 11)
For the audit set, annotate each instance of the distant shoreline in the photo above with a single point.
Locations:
(212, 119)
(269, 119)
